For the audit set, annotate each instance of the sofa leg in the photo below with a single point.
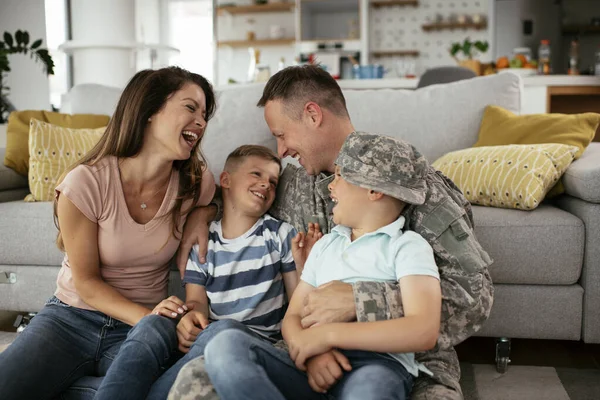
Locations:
(502, 354)
(22, 321)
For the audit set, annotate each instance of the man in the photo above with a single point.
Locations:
(306, 112)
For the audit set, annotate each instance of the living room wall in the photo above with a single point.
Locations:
(29, 88)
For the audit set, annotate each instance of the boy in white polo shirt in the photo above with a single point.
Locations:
(367, 359)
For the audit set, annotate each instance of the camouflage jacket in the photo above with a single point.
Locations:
(444, 220)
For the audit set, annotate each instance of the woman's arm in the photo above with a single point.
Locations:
(80, 236)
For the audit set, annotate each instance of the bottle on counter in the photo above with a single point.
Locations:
(574, 58)
(597, 69)
(544, 53)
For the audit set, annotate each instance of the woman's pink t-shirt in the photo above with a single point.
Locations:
(134, 258)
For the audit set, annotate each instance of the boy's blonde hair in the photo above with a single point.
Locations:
(250, 150)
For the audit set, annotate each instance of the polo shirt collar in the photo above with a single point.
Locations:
(391, 230)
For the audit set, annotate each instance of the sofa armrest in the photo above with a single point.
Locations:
(589, 213)
(12, 185)
(582, 178)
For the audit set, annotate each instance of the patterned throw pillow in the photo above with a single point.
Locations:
(513, 176)
(52, 149)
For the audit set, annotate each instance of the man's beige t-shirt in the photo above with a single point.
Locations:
(134, 258)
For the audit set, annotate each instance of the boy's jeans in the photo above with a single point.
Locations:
(61, 345)
(160, 390)
(243, 367)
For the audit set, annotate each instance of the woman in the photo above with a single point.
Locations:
(120, 212)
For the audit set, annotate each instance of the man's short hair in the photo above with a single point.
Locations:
(250, 150)
(298, 85)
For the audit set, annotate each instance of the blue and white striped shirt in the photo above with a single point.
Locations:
(243, 276)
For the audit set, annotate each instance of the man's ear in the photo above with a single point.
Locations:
(313, 112)
(374, 196)
(224, 180)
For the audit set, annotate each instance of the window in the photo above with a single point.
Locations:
(56, 34)
(191, 31)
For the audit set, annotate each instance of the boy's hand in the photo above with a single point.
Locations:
(304, 242)
(188, 328)
(324, 370)
(306, 344)
(171, 307)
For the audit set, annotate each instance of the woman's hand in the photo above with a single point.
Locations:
(171, 307)
(195, 231)
(304, 242)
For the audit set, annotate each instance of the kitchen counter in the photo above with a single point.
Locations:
(562, 80)
(404, 83)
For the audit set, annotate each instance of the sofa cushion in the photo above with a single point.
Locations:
(9, 179)
(27, 234)
(513, 176)
(17, 133)
(436, 119)
(500, 126)
(53, 149)
(543, 246)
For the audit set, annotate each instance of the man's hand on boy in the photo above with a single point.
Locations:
(325, 370)
(331, 302)
(304, 242)
(306, 344)
(189, 327)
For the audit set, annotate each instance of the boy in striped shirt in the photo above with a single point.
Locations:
(249, 274)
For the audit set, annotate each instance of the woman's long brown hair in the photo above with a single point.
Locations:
(145, 94)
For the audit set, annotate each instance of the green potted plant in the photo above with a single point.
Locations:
(470, 50)
(19, 44)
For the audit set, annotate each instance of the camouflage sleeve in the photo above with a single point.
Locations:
(377, 301)
(287, 205)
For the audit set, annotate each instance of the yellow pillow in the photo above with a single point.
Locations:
(53, 149)
(513, 176)
(500, 126)
(17, 133)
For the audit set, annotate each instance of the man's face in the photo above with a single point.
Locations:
(300, 139)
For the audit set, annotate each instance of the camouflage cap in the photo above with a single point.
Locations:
(384, 164)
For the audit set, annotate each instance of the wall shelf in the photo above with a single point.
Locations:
(576, 29)
(453, 25)
(389, 3)
(256, 43)
(258, 8)
(392, 53)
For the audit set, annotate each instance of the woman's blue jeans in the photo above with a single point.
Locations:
(64, 350)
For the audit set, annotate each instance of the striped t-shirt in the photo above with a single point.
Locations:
(243, 276)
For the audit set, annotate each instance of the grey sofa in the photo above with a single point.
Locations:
(547, 261)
